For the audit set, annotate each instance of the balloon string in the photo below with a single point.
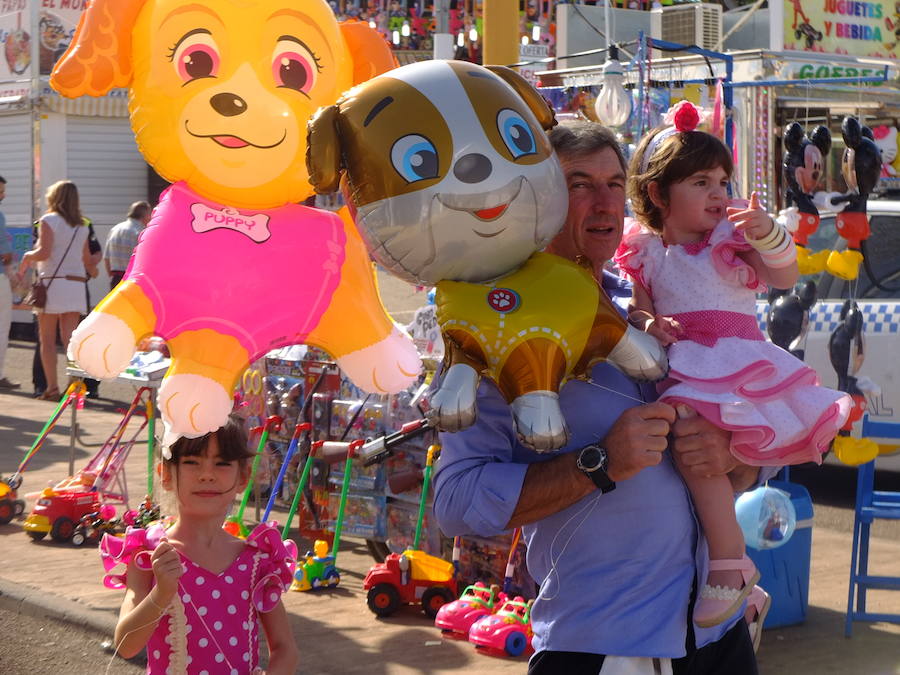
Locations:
(613, 391)
(554, 562)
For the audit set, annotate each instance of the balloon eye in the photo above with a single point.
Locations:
(293, 72)
(516, 133)
(196, 57)
(415, 158)
(294, 66)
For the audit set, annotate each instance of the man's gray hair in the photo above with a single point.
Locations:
(578, 138)
(139, 210)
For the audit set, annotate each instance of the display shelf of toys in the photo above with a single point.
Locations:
(383, 499)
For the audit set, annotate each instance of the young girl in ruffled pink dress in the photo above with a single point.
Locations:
(698, 260)
(195, 596)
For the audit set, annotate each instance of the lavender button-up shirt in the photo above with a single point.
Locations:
(616, 569)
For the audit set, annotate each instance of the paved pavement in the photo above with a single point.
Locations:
(335, 631)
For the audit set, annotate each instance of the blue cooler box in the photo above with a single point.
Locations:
(784, 571)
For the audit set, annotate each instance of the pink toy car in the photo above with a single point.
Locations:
(455, 618)
(509, 630)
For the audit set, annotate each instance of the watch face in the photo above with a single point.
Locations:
(592, 457)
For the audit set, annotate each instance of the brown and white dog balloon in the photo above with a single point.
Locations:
(453, 183)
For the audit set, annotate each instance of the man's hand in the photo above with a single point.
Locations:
(701, 447)
(638, 439)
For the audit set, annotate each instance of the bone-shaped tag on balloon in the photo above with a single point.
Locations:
(206, 219)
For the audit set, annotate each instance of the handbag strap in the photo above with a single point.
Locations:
(72, 241)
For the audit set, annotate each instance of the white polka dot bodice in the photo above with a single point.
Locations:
(682, 280)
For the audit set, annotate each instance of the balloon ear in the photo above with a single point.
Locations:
(529, 94)
(851, 131)
(323, 150)
(792, 137)
(821, 138)
(99, 57)
(370, 52)
(808, 295)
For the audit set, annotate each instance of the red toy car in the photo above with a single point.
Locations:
(407, 578)
(509, 630)
(59, 512)
(455, 618)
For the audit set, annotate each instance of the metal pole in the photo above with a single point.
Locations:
(73, 430)
(501, 32)
(443, 40)
(35, 109)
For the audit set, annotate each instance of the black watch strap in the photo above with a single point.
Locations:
(596, 470)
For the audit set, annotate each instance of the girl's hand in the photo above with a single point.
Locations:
(665, 329)
(753, 221)
(167, 569)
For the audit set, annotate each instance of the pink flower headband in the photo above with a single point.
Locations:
(683, 116)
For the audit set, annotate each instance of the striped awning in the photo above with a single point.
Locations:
(114, 104)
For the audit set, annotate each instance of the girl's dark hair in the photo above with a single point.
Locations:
(231, 437)
(679, 156)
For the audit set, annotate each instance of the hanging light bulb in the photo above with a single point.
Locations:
(404, 30)
(395, 37)
(613, 105)
(473, 34)
(524, 40)
(460, 40)
(536, 33)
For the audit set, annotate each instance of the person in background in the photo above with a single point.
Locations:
(6, 258)
(62, 256)
(122, 240)
(92, 385)
(38, 379)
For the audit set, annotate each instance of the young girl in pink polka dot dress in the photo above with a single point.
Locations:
(195, 596)
(698, 261)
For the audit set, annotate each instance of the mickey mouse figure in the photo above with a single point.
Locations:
(803, 169)
(846, 349)
(861, 168)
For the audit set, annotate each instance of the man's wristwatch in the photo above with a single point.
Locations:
(592, 461)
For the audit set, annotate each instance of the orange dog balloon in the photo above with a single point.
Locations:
(230, 266)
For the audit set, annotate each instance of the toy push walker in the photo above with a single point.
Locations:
(412, 576)
(59, 509)
(319, 570)
(10, 504)
(234, 525)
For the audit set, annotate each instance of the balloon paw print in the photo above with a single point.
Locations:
(454, 184)
(230, 266)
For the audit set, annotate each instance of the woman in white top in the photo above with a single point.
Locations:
(63, 261)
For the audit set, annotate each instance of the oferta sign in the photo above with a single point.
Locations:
(852, 27)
